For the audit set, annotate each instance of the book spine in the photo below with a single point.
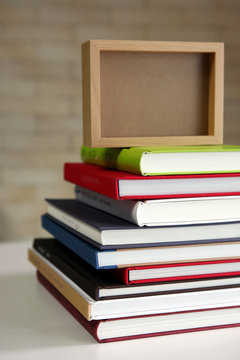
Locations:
(90, 326)
(121, 274)
(130, 160)
(60, 284)
(79, 276)
(73, 242)
(80, 247)
(127, 209)
(100, 156)
(71, 223)
(126, 159)
(91, 179)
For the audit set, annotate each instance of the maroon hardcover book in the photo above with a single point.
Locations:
(98, 328)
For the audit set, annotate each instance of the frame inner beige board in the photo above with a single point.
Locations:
(144, 94)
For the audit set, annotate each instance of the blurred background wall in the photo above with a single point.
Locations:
(40, 85)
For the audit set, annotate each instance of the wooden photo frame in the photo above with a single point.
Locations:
(151, 93)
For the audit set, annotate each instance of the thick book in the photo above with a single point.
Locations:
(122, 185)
(151, 325)
(167, 160)
(110, 259)
(174, 211)
(132, 306)
(106, 231)
(103, 284)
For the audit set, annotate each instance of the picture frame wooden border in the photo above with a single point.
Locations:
(91, 80)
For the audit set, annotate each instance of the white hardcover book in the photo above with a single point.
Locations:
(177, 211)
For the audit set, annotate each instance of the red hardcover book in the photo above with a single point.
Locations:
(122, 185)
(151, 325)
(177, 271)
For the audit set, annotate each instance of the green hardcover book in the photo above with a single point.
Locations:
(167, 160)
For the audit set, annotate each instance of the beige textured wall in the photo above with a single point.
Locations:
(40, 84)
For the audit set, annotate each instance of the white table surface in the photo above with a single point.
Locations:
(33, 325)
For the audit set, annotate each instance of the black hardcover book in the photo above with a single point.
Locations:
(102, 284)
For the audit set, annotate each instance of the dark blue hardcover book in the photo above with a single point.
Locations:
(105, 231)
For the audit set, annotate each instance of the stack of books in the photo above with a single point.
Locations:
(136, 256)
